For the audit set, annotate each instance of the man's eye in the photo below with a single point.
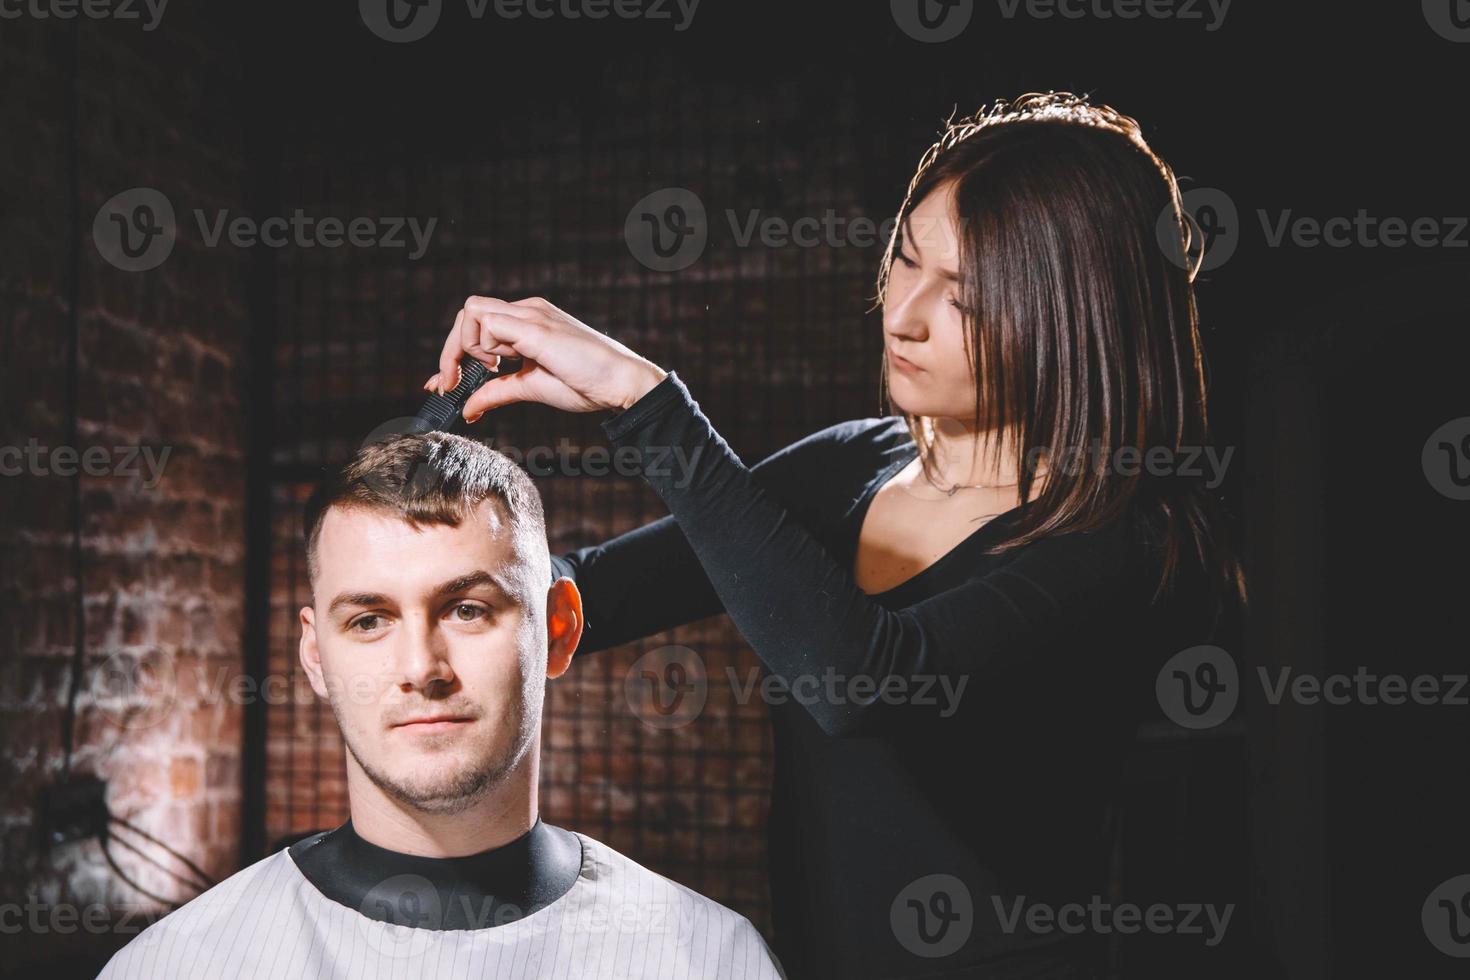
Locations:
(467, 612)
(364, 624)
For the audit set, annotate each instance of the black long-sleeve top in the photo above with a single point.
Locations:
(906, 829)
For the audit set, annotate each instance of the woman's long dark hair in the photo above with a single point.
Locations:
(1080, 320)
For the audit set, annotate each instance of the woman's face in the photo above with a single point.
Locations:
(929, 372)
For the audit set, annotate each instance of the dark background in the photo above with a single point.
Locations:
(1328, 826)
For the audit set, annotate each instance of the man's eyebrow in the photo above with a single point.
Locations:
(473, 580)
(357, 599)
(463, 583)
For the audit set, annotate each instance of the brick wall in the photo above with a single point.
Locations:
(141, 577)
(154, 597)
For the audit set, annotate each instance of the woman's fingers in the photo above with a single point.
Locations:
(493, 394)
(495, 330)
(491, 344)
(527, 384)
(448, 375)
(475, 332)
(482, 315)
(526, 308)
(576, 368)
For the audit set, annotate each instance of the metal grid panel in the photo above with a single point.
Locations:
(541, 212)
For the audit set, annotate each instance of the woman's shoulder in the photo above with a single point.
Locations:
(821, 472)
(856, 443)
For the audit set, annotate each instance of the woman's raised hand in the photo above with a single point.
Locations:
(568, 364)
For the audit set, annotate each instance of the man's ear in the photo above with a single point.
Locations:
(563, 625)
(308, 653)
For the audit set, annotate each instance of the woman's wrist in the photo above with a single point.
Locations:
(650, 376)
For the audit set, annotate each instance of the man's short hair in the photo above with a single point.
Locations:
(433, 478)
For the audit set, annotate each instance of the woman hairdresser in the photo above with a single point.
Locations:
(974, 593)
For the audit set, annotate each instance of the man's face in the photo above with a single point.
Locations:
(430, 649)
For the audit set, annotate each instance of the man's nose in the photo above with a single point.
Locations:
(424, 658)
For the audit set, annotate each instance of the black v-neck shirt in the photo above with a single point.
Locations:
(906, 826)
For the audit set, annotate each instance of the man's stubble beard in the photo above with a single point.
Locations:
(460, 790)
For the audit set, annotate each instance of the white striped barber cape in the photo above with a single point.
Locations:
(618, 920)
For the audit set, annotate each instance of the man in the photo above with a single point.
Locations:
(432, 633)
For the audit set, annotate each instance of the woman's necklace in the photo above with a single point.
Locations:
(966, 486)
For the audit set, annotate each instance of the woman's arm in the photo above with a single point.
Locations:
(637, 584)
(803, 613)
(649, 579)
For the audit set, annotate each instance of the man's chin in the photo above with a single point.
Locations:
(442, 777)
(449, 792)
